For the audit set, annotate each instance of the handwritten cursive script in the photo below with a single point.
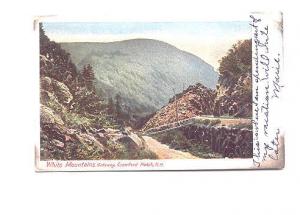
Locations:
(271, 148)
(276, 83)
(266, 86)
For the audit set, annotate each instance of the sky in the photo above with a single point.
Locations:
(207, 40)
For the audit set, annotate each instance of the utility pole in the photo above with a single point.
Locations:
(176, 105)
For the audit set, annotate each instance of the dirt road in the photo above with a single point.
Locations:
(164, 152)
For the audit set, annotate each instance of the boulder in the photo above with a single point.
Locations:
(62, 92)
(54, 131)
(89, 140)
(138, 141)
(132, 141)
(46, 83)
(48, 116)
(58, 143)
(111, 130)
(58, 89)
(50, 100)
(102, 138)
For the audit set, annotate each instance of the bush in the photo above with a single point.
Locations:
(75, 120)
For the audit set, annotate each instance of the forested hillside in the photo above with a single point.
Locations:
(234, 89)
(141, 74)
(76, 123)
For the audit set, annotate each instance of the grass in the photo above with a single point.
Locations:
(75, 120)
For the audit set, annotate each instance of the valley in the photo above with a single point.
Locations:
(142, 99)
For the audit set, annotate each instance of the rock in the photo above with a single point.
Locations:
(46, 84)
(68, 138)
(72, 131)
(49, 99)
(196, 99)
(90, 140)
(58, 143)
(94, 130)
(128, 129)
(102, 130)
(111, 131)
(48, 116)
(124, 132)
(62, 92)
(82, 128)
(136, 139)
(102, 138)
(58, 89)
(132, 141)
(54, 131)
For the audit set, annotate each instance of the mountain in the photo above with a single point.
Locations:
(145, 73)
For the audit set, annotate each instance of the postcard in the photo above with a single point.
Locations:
(139, 96)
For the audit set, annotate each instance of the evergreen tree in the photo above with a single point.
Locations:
(89, 77)
(234, 89)
(44, 40)
(55, 62)
(111, 106)
(118, 108)
(236, 63)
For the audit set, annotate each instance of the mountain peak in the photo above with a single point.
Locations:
(144, 72)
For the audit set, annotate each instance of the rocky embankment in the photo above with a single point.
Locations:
(67, 135)
(194, 101)
(197, 100)
(234, 99)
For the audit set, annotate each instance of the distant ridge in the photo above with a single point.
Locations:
(144, 72)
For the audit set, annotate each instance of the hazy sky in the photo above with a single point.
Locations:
(208, 40)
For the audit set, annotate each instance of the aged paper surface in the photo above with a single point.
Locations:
(160, 95)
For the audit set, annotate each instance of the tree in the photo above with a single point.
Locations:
(118, 105)
(111, 106)
(55, 62)
(237, 63)
(234, 89)
(44, 40)
(89, 77)
(86, 101)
